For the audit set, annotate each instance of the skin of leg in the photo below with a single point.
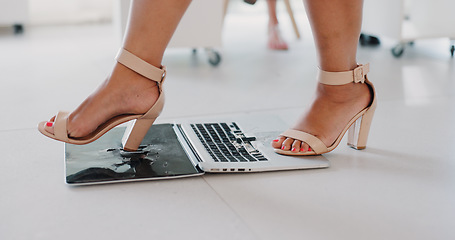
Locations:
(150, 27)
(336, 28)
(275, 41)
(271, 7)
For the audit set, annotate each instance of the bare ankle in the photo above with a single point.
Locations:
(342, 93)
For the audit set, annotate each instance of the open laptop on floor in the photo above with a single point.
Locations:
(184, 149)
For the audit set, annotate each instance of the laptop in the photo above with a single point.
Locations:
(185, 149)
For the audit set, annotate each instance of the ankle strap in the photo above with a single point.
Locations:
(140, 66)
(356, 75)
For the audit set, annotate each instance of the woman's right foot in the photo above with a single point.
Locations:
(275, 41)
(123, 92)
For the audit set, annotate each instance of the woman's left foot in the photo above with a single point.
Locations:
(329, 114)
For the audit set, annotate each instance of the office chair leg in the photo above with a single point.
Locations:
(291, 15)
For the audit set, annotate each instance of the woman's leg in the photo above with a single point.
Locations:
(151, 25)
(275, 41)
(271, 6)
(336, 28)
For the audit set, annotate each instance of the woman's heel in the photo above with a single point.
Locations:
(135, 133)
(358, 132)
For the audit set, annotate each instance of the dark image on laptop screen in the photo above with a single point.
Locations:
(105, 161)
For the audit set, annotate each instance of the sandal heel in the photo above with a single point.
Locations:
(359, 130)
(135, 133)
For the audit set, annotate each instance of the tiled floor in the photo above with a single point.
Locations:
(401, 187)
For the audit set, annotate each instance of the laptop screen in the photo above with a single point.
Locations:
(104, 161)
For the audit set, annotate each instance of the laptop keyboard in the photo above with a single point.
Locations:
(227, 143)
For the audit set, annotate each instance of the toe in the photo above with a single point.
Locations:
(281, 45)
(305, 147)
(49, 125)
(287, 144)
(296, 146)
(277, 143)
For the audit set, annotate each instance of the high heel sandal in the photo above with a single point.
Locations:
(358, 126)
(140, 123)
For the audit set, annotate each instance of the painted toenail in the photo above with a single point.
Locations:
(283, 147)
(309, 149)
(276, 140)
(49, 124)
(293, 149)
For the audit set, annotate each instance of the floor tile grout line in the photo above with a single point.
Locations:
(232, 209)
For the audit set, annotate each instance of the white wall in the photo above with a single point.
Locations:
(69, 11)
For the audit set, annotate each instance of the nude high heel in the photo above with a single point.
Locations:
(140, 123)
(358, 126)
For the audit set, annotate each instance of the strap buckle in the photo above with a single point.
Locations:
(360, 72)
(163, 76)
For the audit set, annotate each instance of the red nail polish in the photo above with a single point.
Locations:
(49, 124)
(276, 140)
(309, 149)
(283, 147)
(293, 149)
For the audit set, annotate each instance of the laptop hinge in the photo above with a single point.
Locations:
(181, 135)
